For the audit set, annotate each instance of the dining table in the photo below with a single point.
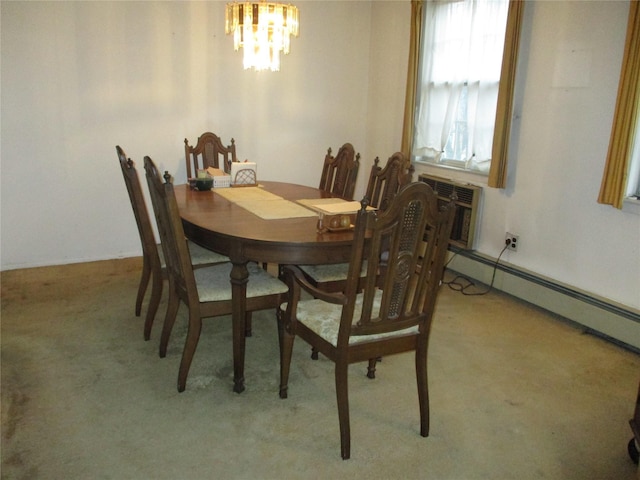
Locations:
(270, 223)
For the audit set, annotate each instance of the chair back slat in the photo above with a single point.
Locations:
(209, 152)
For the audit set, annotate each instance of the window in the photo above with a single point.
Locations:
(621, 176)
(633, 183)
(458, 82)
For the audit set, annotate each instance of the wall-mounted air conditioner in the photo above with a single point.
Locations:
(468, 202)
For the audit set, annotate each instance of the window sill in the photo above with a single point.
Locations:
(451, 165)
(457, 174)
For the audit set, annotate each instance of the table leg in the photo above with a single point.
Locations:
(239, 279)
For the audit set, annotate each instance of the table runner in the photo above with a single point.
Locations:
(263, 204)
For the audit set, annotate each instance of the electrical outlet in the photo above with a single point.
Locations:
(511, 240)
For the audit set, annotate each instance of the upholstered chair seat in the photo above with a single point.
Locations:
(333, 272)
(324, 319)
(213, 283)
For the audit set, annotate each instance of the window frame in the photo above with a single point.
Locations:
(460, 61)
(502, 128)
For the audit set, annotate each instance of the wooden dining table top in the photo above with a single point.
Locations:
(221, 225)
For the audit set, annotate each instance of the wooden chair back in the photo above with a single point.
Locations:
(339, 173)
(391, 298)
(209, 152)
(139, 206)
(385, 182)
(172, 237)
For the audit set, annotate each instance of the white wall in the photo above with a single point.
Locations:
(80, 77)
(573, 65)
(388, 59)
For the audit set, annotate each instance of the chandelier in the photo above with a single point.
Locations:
(262, 29)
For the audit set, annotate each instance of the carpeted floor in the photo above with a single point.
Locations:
(516, 393)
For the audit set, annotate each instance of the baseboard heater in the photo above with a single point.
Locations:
(467, 207)
(595, 315)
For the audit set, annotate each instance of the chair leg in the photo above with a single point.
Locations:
(286, 349)
(169, 320)
(423, 388)
(371, 368)
(154, 303)
(190, 344)
(314, 353)
(142, 288)
(280, 323)
(247, 325)
(342, 394)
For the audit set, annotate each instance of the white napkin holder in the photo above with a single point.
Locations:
(244, 174)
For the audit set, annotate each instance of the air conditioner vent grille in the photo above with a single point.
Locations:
(465, 195)
(467, 201)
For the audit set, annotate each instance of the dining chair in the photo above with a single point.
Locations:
(384, 183)
(209, 152)
(206, 291)
(339, 173)
(393, 312)
(153, 264)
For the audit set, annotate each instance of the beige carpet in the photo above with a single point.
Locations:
(515, 394)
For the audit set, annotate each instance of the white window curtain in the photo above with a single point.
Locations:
(463, 45)
(633, 186)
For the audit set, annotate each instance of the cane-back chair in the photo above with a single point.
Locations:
(394, 310)
(209, 152)
(153, 264)
(385, 182)
(339, 173)
(206, 291)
